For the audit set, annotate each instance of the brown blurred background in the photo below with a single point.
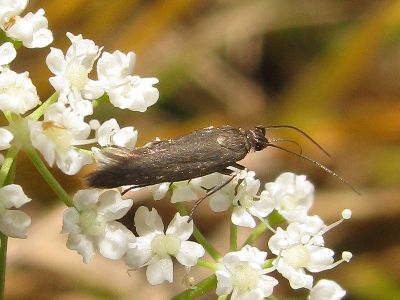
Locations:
(331, 68)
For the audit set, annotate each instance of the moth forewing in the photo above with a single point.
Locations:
(199, 153)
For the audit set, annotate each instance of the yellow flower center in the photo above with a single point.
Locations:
(245, 278)
(165, 245)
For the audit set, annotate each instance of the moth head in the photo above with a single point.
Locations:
(257, 138)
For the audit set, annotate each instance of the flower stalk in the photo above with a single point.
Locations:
(48, 177)
(199, 289)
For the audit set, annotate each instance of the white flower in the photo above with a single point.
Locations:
(7, 54)
(114, 68)
(91, 224)
(13, 222)
(125, 90)
(301, 247)
(159, 190)
(66, 116)
(185, 191)
(291, 195)
(109, 134)
(245, 205)
(326, 290)
(5, 138)
(220, 200)
(72, 70)
(241, 193)
(10, 9)
(31, 30)
(154, 248)
(17, 92)
(241, 273)
(56, 136)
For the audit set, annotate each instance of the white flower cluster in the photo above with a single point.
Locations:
(91, 226)
(299, 248)
(17, 95)
(63, 127)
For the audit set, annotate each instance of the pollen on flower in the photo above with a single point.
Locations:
(77, 75)
(91, 223)
(61, 137)
(346, 256)
(245, 278)
(346, 214)
(297, 256)
(165, 245)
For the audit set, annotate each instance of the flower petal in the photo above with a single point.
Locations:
(70, 221)
(86, 199)
(55, 61)
(159, 271)
(189, 253)
(182, 192)
(115, 241)
(180, 227)
(148, 222)
(14, 223)
(83, 245)
(326, 290)
(241, 217)
(7, 53)
(112, 206)
(12, 195)
(224, 282)
(139, 252)
(5, 138)
(266, 284)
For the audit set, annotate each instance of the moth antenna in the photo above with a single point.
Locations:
(321, 166)
(303, 133)
(289, 141)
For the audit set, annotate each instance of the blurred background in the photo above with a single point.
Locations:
(329, 67)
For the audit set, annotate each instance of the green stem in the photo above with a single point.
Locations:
(268, 263)
(48, 177)
(223, 297)
(199, 236)
(7, 164)
(233, 238)
(207, 264)
(199, 289)
(11, 174)
(273, 219)
(103, 99)
(42, 108)
(259, 230)
(3, 257)
(8, 116)
(203, 241)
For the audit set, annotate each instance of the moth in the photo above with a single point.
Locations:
(202, 152)
(196, 154)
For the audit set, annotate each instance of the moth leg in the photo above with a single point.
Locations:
(133, 187)
(209, 193)
(238, 166)
(128, 189)
(226, 172)
(223, 172)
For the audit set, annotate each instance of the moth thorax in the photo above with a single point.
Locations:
(257, 139)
